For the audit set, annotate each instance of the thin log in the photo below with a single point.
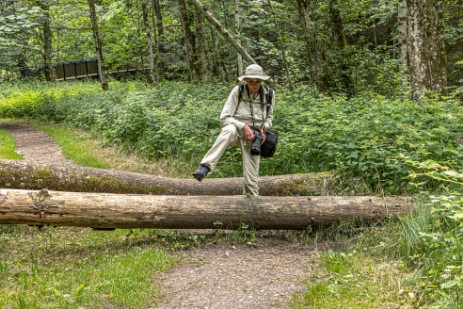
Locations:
(193, 212)
(24, 175)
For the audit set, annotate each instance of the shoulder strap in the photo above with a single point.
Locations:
(269, 102)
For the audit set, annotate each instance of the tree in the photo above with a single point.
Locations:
(153, 75)
(185, 22)
(225, 33)
(98, 45)
(47, 39)
(306, 9)
(423, 46)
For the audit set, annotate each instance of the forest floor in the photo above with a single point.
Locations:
(260, 274)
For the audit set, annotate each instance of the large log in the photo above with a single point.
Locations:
(24, 175)
(149, 211)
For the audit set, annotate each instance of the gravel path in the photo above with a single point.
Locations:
(264, 276)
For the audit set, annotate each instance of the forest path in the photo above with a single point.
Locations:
(261, 274)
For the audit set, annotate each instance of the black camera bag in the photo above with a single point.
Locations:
(268, 148)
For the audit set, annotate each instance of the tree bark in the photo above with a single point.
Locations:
(229, 212)
(201, 46)
(23, 175)
(221, 29)
(157, 13)
(340, 36)
(184, 20)
(98, 45)
(427, 62)
(281, 45)
(153, 74)
(306, 9)
(239, 58)
(47, 40)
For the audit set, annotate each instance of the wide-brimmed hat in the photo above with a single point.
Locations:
(254, 71)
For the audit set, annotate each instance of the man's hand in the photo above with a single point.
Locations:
(263, 132)
(248, 133)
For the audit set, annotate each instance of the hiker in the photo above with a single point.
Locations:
(245, 118)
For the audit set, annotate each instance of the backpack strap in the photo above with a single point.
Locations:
(269, 102)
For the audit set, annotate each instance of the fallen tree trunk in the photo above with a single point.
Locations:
(23, 175)
(149, 211)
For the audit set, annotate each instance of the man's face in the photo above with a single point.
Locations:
(254, 85)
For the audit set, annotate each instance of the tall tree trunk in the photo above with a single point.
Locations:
(239, 58)
(306, 9)
(201, 46)
(158, 30)
(152, 73)
(158, 15)
(219, 66)
(186, 38)
(227, 212)
(47, 40)
(338, 30)
(427, 64)
(98, 46)
(224, 32)
(403, 35)
(281, 45)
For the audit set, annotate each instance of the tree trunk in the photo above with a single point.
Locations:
(217, 59)
(403, 35)
(239, 58)
(224, 31)
(157, 13)
(47, 41)
(281, 45)
(23, 175)
(228, 212)
(153, 74)
(340, 36)
(186, 37)
(315, 59)
(98, 45)
(201, 46)
(427, 64)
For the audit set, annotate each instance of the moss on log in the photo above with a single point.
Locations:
(23, 175)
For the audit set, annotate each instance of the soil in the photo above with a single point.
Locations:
(262, 274)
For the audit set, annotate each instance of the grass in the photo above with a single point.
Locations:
(87, 150)
(76, 267)
(355, 280)
(8, 146)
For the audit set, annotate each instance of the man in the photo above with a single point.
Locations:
(243, 115)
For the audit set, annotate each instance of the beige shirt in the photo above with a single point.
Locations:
(242, 113)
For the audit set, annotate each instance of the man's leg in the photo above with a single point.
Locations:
(228, 135)
(251, 166)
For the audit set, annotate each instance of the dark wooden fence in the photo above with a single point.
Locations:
(88, 69)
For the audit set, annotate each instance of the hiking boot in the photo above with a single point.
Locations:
(201, 172)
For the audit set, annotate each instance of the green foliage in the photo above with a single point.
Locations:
(433, 238)
(365, 139)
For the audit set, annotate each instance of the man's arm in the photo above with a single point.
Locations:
(229, 109)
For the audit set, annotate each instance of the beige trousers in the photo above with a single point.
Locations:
(230, 135)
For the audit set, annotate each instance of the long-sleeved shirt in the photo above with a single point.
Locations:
(249, 111)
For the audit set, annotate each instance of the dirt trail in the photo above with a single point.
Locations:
(264, 276)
